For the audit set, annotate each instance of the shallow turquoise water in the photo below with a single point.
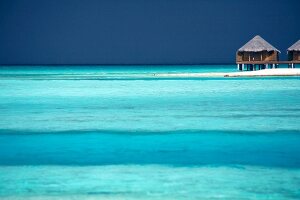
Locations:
(118, 132)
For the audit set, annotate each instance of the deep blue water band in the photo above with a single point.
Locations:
(188, 148)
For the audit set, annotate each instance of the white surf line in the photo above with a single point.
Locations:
(264, 72)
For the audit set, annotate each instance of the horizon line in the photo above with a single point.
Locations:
(139, 64)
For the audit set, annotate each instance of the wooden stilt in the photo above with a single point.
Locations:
(256, 65)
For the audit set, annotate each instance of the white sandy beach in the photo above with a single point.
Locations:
(264, 72)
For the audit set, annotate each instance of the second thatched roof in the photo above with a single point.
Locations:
(295, 47)
(257, 44)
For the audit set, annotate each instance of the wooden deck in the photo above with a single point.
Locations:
(267, 62)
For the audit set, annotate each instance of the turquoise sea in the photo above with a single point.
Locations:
(120, 132)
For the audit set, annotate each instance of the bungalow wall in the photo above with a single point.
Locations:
(294, 55)
(257, 56)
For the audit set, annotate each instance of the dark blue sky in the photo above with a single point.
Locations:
(141, 31)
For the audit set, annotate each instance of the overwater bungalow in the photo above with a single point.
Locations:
(294, 54)
(256, 52)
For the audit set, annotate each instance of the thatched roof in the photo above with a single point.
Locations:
(295, 47)
(257, 44)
